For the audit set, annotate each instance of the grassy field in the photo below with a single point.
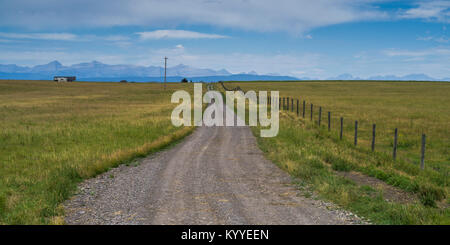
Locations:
(318, 156)
(53, 135)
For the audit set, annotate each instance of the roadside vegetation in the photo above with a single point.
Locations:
(54, 135)
(318, 158)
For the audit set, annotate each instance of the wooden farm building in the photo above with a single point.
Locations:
(64, 79)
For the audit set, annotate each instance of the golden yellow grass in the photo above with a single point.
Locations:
(55, 134)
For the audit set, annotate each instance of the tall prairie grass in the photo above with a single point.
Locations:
(314, 155)
(412, 107)
(53, 135)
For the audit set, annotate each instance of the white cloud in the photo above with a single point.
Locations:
(177, 34)
(286, 64)
(430, 10)
(429, 38)
(5, 41)
(441, 39)
(116, 38)
(418, 53)
(43, 36)
(39, 57)
(296, 16)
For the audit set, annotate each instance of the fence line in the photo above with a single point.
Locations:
(422, 151)
(374, 126)
(394, 153)
(329, 121)
(320, 114)
(292, 105)
(304, 108)
(341, 130)
(287, 103)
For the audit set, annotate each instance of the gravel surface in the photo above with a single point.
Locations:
(217, 175)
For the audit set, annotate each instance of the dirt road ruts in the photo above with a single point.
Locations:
(217, 175)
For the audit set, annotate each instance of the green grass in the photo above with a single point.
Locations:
(313, 157)
(412, 107)
(53, 135)
(313, 154)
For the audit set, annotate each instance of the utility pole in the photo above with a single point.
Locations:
(165, 72)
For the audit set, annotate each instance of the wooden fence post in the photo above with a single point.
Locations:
(422, 157)
(356, 132)
(374, 126)
(292, 105)
(329, 121)
(279, 104)
(320, 114)
(312, 106)
(287, 103)
(304, 108)
(394, 153)
(297, 107)
(342, 125)
(284, 103)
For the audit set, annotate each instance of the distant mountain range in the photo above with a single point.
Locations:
(233, 77)
(410, 77)
(97, 71)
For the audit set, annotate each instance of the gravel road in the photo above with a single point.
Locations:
(217, 175)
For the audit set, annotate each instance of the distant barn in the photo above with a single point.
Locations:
(64, 79)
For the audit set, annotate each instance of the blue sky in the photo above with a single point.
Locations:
(318, 39)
